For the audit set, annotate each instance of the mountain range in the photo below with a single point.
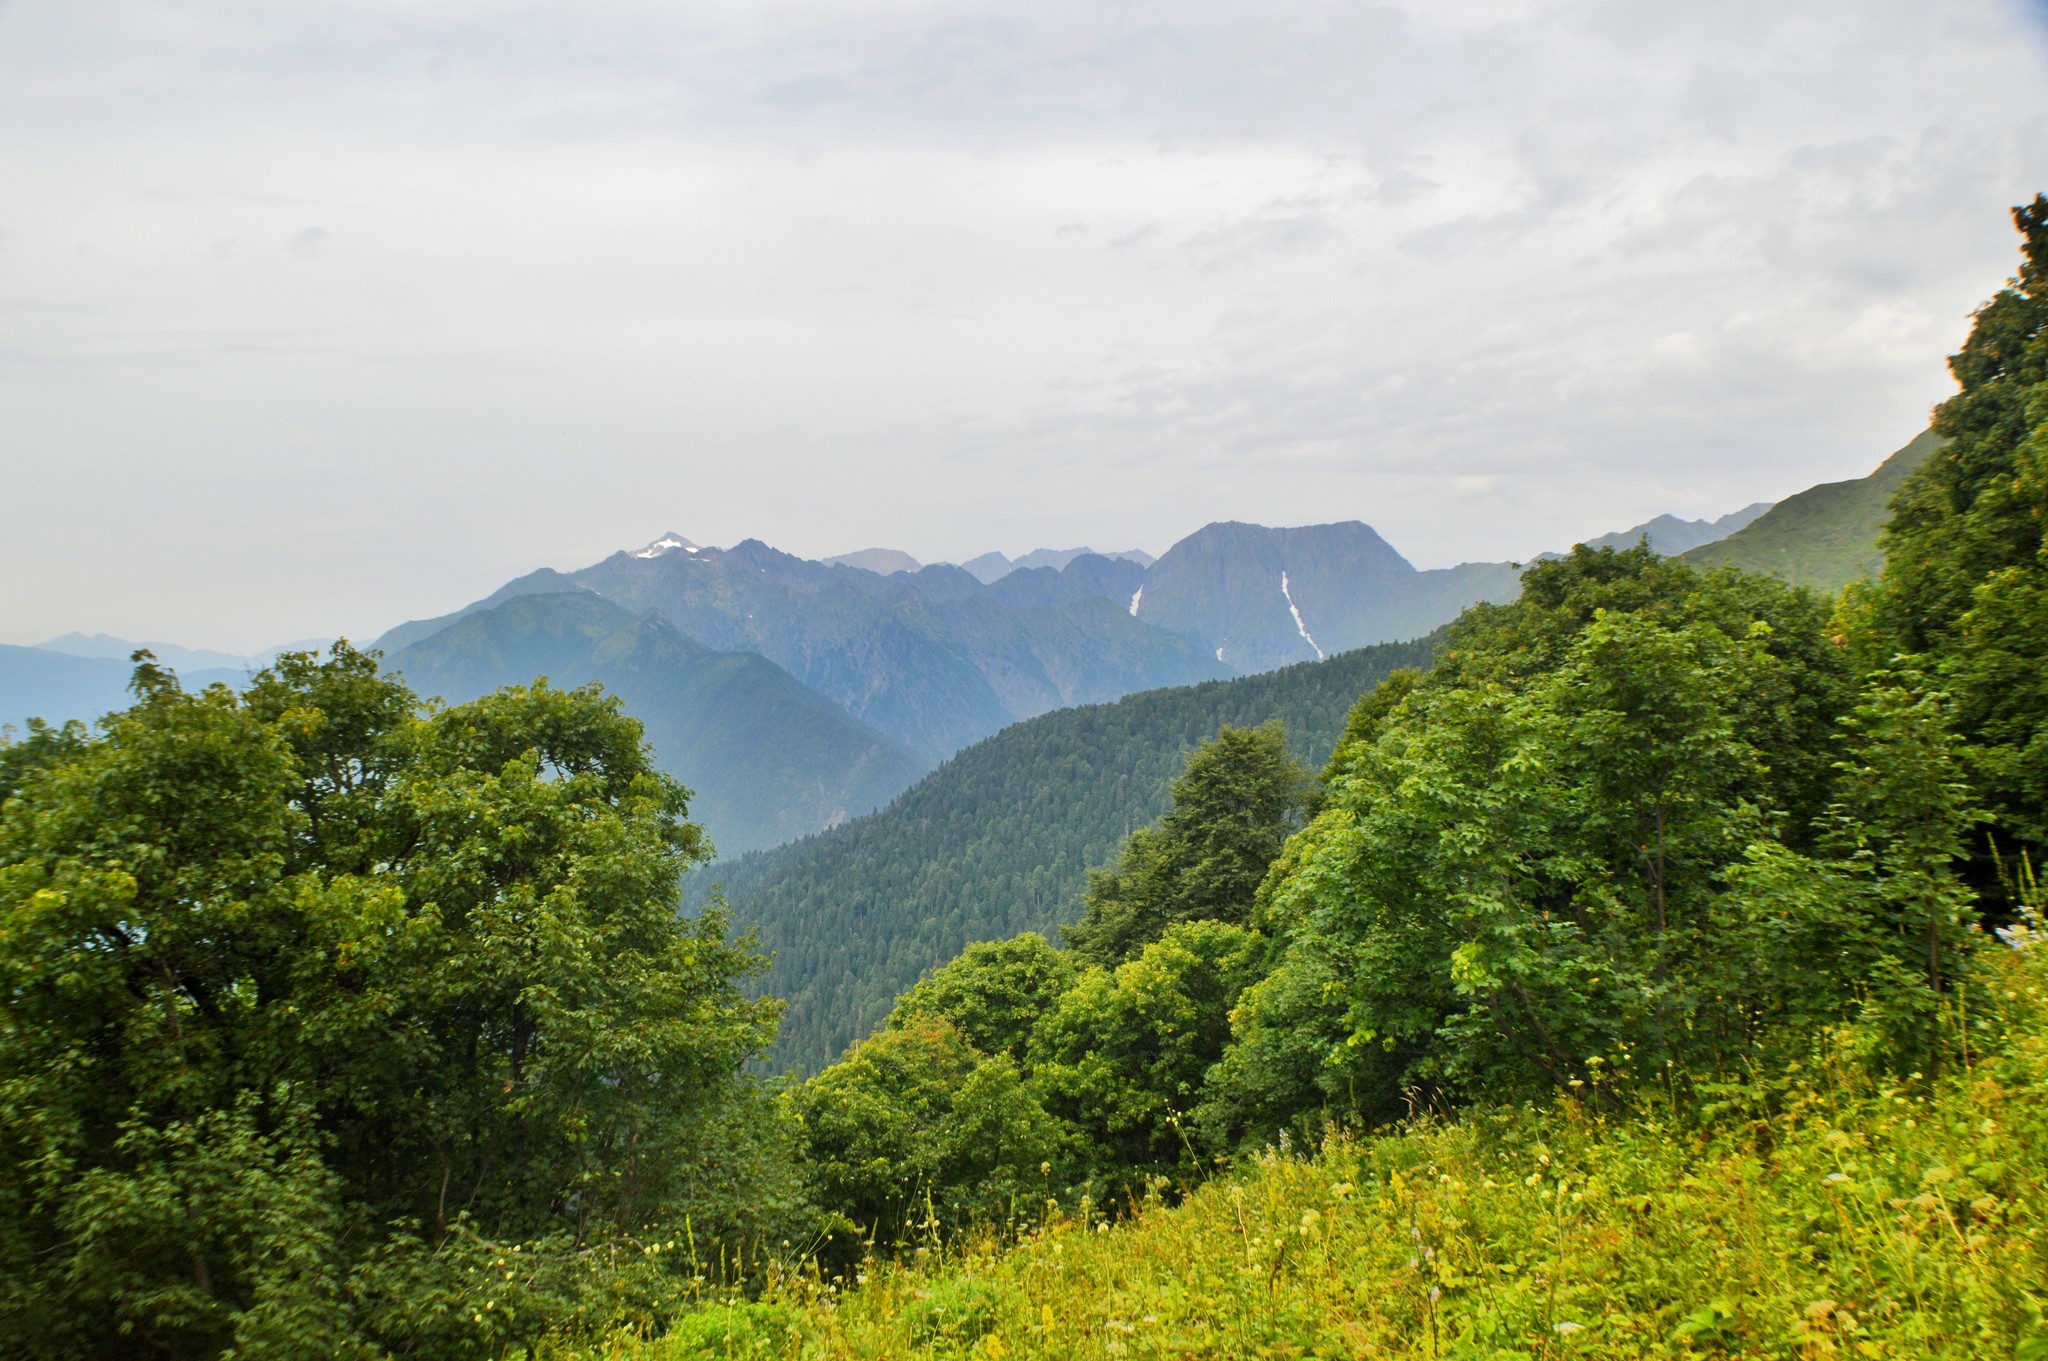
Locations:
(768, 758)
(793, 694)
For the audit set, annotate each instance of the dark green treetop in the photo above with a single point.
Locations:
(1235, 804)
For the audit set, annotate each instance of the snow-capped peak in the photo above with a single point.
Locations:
(667, 543)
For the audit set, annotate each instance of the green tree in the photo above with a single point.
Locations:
(1234, 806)
(1518, 860)
(1123, 1057)
(914, 1129)
(1878, 924)
(1965, 584)
(995, 993)
(295, 982)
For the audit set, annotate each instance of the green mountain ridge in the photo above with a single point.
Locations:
(768, 758)
(999, 839)
(1826, 536)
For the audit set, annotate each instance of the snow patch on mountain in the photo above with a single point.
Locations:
(1294, 610)
(1136, 596)
(667, 543)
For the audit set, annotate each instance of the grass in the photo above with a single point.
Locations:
(1822, 1211)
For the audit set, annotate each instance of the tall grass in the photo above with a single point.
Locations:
(1824, 1210)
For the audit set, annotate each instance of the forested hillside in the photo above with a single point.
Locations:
(1000, 838)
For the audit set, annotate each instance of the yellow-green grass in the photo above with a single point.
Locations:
(1824, 1211)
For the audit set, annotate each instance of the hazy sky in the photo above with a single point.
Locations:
(318, 317)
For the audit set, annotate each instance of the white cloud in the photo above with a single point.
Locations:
(952, 276)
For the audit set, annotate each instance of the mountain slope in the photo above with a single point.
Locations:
(768, 758)
(881, 561)
(1258, 598)
(1826, 536)
(934, 674)
(999, 839)
(545, 581)
(59, 686)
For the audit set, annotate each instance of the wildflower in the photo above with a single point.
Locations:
(1341, 1190)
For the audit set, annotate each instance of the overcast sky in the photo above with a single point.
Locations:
(314, 318)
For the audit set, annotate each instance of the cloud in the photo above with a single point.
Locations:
(309, 242)
(1266, 234)
(1490, 274)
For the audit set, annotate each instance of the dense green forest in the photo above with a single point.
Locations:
(999, 840)
(1657, 974)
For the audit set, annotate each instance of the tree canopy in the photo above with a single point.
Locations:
(1965, 586)
(307, 987)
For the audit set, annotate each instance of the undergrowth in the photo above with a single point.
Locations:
(1826, 1209)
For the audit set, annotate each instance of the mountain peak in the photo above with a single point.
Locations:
(666, 544)
(881, 561)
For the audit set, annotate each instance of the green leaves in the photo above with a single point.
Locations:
(1518, 863)
(286, 973)
(1240, 796)
(1966, 561)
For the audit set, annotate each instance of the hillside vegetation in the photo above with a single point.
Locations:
(999, 840)
(1824, 1210)
(1826, 536)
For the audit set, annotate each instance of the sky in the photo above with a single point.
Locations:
(318, 318)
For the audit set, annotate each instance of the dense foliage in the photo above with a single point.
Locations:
(1823, 1208)
(999, 840)
(317, 1003)
(1235, 805)
(1966, 575)
(1019, 1071)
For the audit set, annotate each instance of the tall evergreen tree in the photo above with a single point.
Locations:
(1240, 797)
